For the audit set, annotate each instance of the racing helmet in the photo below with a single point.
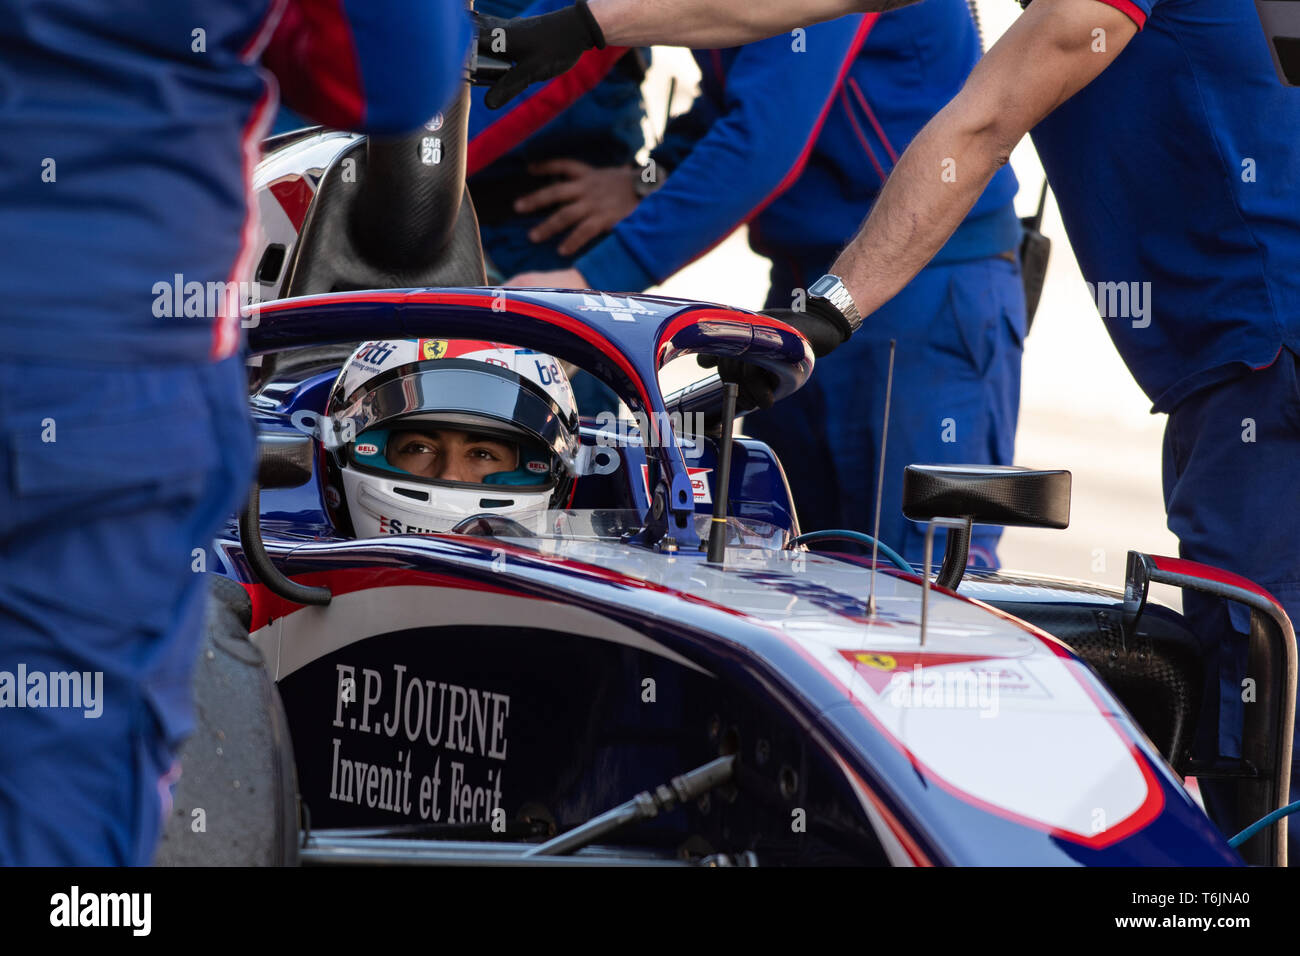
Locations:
(424, 433)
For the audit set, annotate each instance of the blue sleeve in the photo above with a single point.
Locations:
(1137, 10)
(382, 66)
(683, 132)
(776, 96)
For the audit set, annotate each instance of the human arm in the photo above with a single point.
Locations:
(703, 24)
(1050, 53)
(545, 46)
(770, 112)
(384, 66)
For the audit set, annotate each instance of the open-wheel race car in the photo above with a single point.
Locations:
(657, 670)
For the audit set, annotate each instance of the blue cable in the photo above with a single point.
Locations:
(859, 537)
(1261, 823)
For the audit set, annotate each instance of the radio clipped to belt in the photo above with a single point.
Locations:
(1035, 250)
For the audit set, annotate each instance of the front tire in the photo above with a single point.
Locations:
(236, 803)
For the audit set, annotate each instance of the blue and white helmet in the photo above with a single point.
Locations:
(496, 392)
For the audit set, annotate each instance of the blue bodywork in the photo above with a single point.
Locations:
(724, 674)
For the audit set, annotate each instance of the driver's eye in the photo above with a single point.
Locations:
(417, 448)
(484, 454)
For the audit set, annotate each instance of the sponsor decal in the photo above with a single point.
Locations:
(547, 374)
(912, 672)
(389, 525)
(884, 662)
(422, 722)
(434, 124)
(433, 348)
(878, 668)
(924, 680)
(538, 467)
(332, 496)
(699, 484)
(375, 353)
(1011, 679)
(849, 606)
(366, 448)
(460, 348)
(621, 311)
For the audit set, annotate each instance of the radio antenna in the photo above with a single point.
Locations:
(880, 482)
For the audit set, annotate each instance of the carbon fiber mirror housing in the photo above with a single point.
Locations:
(284, 460)
(983, 494)
(988, 494)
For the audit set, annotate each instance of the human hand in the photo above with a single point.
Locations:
(591, 201)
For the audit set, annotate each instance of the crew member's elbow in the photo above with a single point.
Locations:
(986, 135)
(1000, 152)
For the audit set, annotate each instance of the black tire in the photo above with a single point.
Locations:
(237, 800)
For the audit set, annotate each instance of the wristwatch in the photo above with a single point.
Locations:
(831, 289)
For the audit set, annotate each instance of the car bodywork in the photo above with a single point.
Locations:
(452, 676)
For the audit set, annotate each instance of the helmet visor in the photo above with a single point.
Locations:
(462, 394)
(454, 452)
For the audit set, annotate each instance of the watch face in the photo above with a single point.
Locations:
(823, 285)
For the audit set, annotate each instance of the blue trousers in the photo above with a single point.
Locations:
(1230, 458)
(960, 329)
(113, 481)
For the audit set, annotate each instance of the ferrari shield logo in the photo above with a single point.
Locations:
(881, 662)
(433, 348)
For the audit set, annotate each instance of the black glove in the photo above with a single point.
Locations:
(757, 387)
(823, 327)
(540, 47)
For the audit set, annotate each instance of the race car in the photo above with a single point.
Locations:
(653, 666)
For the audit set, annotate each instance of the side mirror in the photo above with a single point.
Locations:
(983, 494)
(284, 460)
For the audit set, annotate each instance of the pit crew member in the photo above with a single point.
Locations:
(796, 135)
(129, 134)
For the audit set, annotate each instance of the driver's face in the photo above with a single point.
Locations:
(448, 454)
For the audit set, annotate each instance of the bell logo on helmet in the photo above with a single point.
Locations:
(538, 467)
(365, 448)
